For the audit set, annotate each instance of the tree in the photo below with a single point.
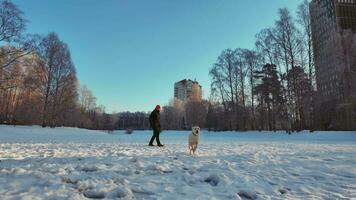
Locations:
(226, 81)
(109, 122)
(15, 44)
(303, 19)
(211, 118)
(286, 36)
(240, 74)
(270, 92)
(252, 60)
(56, 73)
(267, 46)
(196, 112)
(304, 97)
(173, 116)
(87, 101)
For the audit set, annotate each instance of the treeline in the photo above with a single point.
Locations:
(271, 86)
(132, 120)
(38, 82)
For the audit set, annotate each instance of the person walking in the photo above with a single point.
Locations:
(156, 126)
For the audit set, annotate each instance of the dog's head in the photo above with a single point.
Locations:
(196, 130)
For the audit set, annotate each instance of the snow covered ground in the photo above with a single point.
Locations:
(70, 163)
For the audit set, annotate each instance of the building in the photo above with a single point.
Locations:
(333, 24)
(187, 90)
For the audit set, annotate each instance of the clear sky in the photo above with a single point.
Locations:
(130, 52)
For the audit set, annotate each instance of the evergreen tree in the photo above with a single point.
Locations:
(270, 99)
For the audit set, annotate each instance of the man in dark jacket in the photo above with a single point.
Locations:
(156, 126)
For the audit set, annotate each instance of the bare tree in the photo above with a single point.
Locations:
(267, 46)
(225, 85)
(286, 36)
(13, 40)
(240, 74)
(87, 101)
(303, 20)
(12, 22)
(173, 116)
(55, 72)
(196, 112)
(252, 61)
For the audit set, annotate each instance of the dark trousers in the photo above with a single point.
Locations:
(155, 135)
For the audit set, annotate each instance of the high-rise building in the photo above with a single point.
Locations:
(187, 90)
(333, 24)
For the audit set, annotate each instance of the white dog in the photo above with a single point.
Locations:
(193, 139)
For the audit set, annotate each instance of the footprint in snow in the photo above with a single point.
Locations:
(141, 191)
(284, 190)
(213, 180)
(124, 192)
(134, 159)
(70, 180)
(94, 194)
(248, 195)
(90, 168)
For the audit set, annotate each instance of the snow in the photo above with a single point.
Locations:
(72, 163)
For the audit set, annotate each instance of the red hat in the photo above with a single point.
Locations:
(158, 107)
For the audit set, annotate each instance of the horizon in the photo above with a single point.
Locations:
(142, 48)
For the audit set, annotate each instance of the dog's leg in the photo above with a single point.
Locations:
(194, 148)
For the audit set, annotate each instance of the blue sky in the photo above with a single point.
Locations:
(130, 52)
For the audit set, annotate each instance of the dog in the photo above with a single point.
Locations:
(193, 140)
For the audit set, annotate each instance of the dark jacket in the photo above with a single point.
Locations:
(154, 120)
